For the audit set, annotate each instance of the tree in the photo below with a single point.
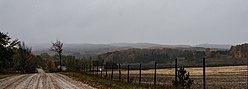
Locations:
(69, 62)
(45, 56)
(39, 61)
(57, 47)
(7, 48)
(239, 51)
(194, 54)
(26, 58)
(183, 79)
(50, 65)
(208, 52)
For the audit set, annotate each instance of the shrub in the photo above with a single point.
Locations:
(183, 79)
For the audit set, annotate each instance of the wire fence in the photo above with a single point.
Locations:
(162, 75)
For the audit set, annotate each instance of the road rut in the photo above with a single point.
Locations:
(41, 80)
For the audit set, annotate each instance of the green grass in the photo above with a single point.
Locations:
(101, 83)
(6, 75)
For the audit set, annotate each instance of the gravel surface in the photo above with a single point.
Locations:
(41, 80)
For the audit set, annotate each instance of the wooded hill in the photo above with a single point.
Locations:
(239, 51)
(164, 55)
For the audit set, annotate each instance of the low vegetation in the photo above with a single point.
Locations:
(6, 75)
(183, 79)
(101, 83)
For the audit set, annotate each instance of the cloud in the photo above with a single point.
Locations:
(111, 21)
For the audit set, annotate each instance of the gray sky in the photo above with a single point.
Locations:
(113, 21)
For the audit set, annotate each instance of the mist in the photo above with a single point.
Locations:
(133, 21)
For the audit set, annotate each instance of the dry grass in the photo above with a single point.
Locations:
(7, 75)
(225, 77)
(224, 70)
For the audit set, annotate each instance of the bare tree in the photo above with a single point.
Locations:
(57, 47)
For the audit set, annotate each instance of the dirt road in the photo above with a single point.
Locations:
(41, 80)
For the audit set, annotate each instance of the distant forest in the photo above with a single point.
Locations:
(15, 56)
(167, 55)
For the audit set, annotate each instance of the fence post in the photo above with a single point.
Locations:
(90, 69)
(101, 69)
(119, 67)
(86, 68)
(97, 69)
(155, 73)
(112, 71)
(128, 73)
(176, 69)
(247, 73)
(140, 74)
(83, 67)
(106, 75)
(204, 75)
(93, 70)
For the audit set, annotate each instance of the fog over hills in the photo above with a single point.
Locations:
(222, 46)
(81, 50)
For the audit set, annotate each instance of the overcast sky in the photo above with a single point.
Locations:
(112, 21)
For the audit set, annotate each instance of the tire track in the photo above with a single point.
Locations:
(13, 83)
(54, 82)
(25, 83)
(36, 82)
(49, 81)
(63, 83)
(41, 80)
(7, 81)
(31, 84)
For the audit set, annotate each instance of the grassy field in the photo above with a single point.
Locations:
(225, 77)
(224, 70)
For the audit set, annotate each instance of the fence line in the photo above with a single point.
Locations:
(130, 77)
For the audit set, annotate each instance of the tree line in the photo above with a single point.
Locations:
(15, 56)
(136, 55)
(239, 51)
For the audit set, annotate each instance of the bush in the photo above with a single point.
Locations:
(183, 79)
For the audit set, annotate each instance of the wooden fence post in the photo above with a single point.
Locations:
(247, 73)
(140, 74)
(101, 69)
(93, 70)
(90, 69)
(106, 75)
(128, 73)
(83, 67)
(176, 69)
(97, 69)
(119, 67)
(204, 75)
(112, 71)
(155, 73)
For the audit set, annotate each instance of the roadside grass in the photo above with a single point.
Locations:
(102, 83)
(6, 75)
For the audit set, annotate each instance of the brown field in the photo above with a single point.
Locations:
(224, 70)
(225, 77)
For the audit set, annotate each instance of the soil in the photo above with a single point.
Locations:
(41, 80)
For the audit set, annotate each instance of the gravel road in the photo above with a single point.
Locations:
(41, 80)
